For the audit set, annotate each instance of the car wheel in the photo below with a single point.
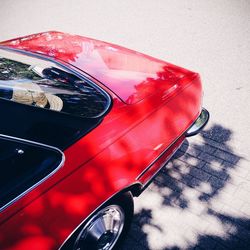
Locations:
(106, 229)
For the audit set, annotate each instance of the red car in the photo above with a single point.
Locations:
(85, 126)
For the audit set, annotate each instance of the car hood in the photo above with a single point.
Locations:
(132, 76)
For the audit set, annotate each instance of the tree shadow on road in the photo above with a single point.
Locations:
(190, 204)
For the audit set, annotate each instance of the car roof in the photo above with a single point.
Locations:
(132, 76)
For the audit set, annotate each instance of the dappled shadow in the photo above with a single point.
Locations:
(183, 208)
(192, 204)
(212, 160)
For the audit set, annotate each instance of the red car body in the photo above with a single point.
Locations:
(154, 103)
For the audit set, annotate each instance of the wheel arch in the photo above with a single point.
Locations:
(134, 189)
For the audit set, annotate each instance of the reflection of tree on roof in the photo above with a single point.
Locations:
(56, 43)
(162, 78)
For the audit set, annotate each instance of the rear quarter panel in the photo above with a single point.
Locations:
(105, 161)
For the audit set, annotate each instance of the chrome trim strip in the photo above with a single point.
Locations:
(63, 65)
(42, 180)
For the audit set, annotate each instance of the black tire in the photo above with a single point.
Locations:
(121, 206)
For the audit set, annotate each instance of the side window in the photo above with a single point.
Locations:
(45, 85)
(44, 102)
(23, 165)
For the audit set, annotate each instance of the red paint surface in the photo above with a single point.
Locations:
(153, 104)
(140, 75)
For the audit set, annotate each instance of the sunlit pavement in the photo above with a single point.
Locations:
(201, 200)
(198, 201)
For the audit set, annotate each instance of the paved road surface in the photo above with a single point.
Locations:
(201, 200)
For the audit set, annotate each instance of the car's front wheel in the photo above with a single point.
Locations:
(106, 229)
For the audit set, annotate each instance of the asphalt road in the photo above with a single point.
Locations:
(210, 37)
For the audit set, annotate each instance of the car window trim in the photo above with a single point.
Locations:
(63, 66)
(44, 178)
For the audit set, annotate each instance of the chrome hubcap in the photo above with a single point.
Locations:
(103, 230)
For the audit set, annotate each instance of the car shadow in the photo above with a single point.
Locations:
(190, 204)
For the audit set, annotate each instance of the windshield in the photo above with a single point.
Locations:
(43, 84)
